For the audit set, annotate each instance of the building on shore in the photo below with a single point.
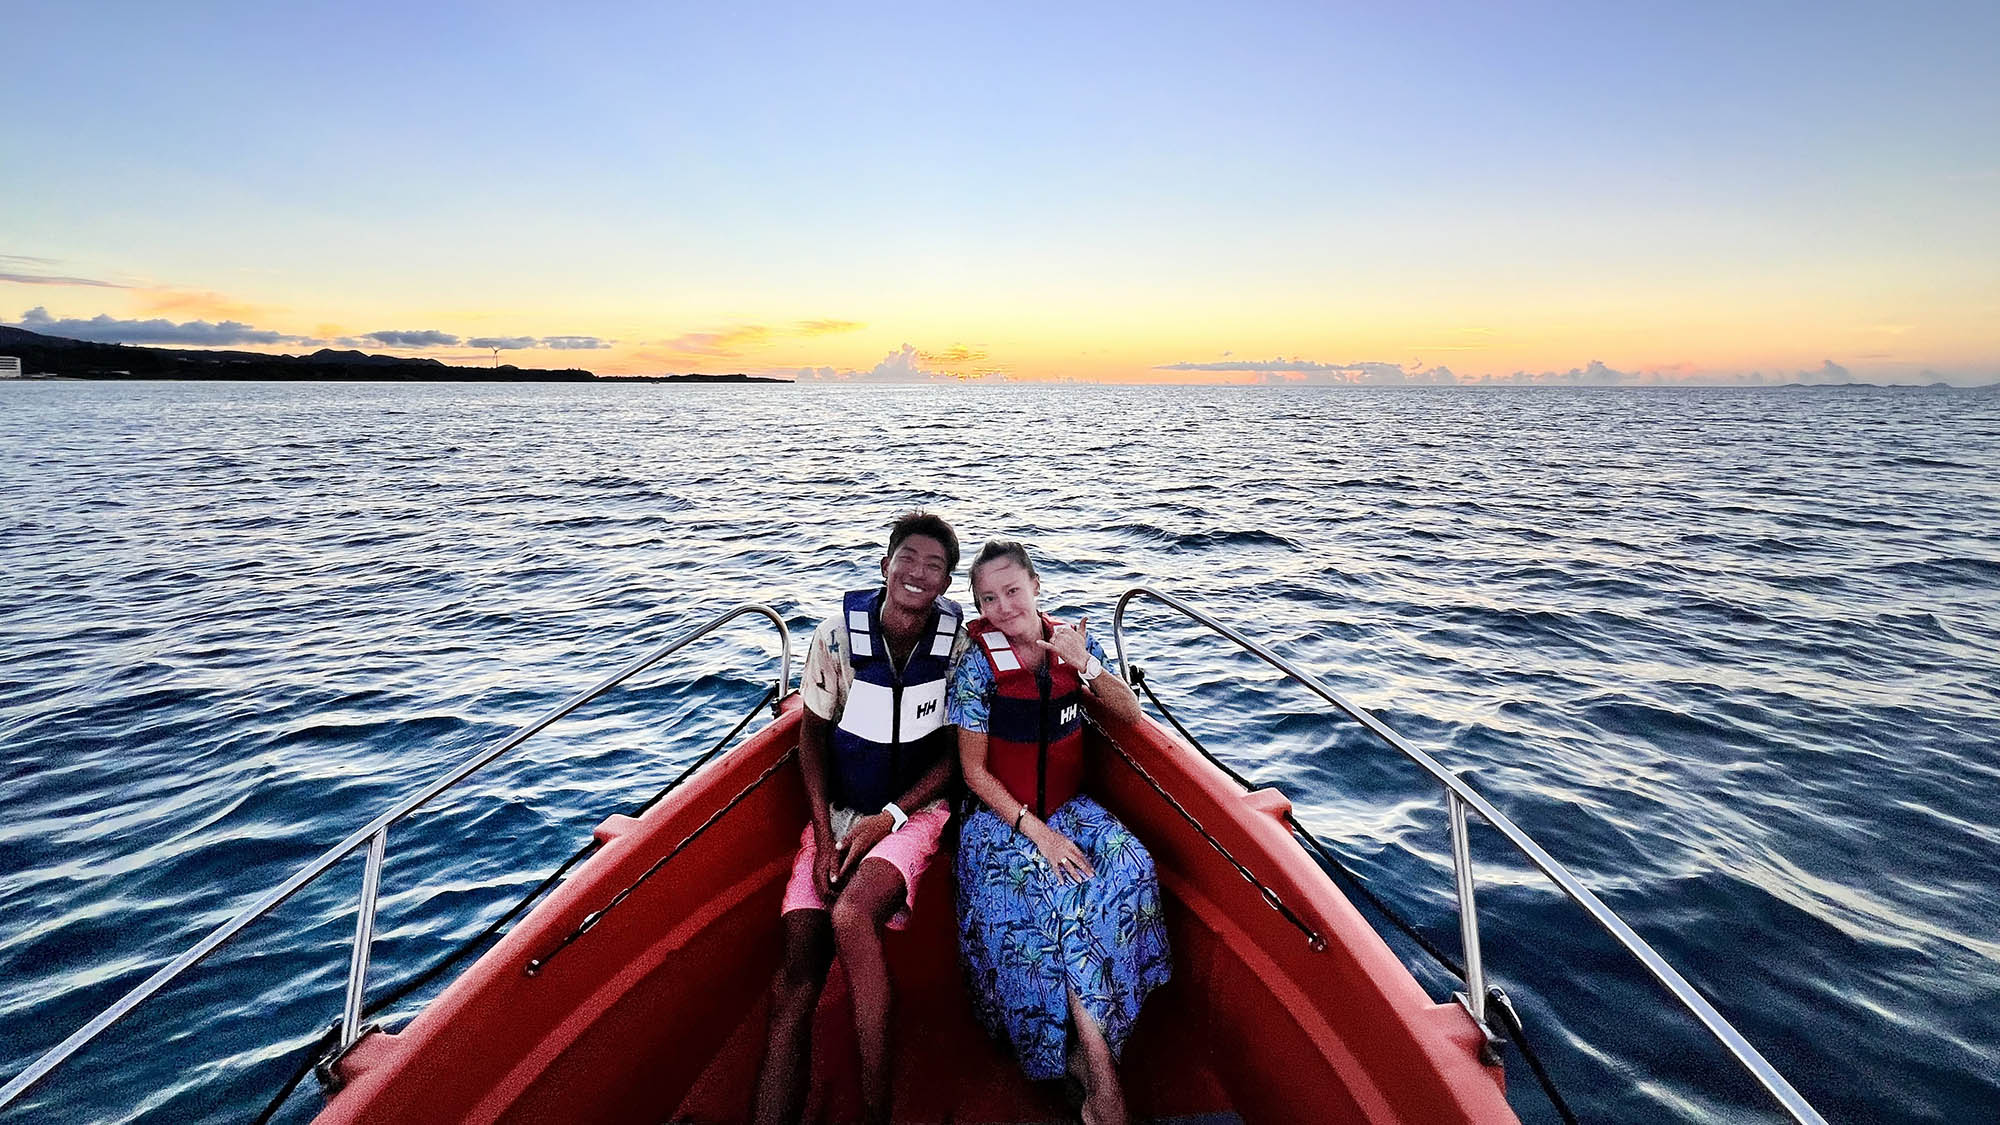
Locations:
(10, 367)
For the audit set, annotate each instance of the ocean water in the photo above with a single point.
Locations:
(1733, 656)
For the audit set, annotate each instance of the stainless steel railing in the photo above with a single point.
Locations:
(1459, 797)
(375, 835)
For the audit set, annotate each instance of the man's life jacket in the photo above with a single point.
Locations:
(891, 732)
(1034, 734)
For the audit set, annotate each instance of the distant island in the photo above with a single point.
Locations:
(57, 357)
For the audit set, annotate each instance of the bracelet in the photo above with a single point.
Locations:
(1017, 819)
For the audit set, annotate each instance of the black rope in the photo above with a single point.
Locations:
(770, 693)
(308, 1058)
(449, 959)
(427, 975)
(1270, 896)
(1306, 835)
(318, 1050)
(1498, 1001)
(589, 920)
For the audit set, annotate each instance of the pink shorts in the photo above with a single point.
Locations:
(908, 849)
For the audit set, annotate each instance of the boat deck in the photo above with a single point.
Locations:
(945, 1066)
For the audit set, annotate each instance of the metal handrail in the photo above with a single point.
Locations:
(374, 834)
(1461, 796)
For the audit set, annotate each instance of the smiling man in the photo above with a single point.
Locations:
(876, 758)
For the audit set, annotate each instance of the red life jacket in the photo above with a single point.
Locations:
(1034, 733)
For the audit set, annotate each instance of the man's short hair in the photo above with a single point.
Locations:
(916, 521)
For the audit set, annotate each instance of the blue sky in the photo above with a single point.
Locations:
(1102, 191)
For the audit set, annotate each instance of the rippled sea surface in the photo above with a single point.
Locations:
(1731, 655)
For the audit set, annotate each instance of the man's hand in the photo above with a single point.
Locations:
(867, 832)
(825, 867)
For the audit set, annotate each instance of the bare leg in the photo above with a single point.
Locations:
(794, 995)
(872, 897)
(1103, 1098)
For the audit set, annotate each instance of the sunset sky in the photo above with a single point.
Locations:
(1156, 191)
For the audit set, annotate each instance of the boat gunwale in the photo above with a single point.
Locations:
(372, 836)
(1462, 796)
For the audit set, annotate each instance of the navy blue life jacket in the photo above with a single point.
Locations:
(891, 732)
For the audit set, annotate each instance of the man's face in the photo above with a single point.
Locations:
(916, 573)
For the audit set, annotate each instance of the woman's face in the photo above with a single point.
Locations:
(1005, 594)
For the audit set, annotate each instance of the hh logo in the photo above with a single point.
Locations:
(1069, 714)
(926, 707)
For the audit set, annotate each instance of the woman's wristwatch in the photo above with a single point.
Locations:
(897, 817)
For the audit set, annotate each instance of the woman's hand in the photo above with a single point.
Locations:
(1068, 643)
(1060, 852)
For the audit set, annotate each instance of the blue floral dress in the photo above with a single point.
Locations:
(1027, 938)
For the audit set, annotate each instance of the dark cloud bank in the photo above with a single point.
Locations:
(102, 329)
(105, 329)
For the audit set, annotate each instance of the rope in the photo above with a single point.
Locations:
(318, 1049)
(1305, 834)
(1313, 937)
(536, 965)
(770, 693)
(449, 959)
(308, 1058)
(1498, 1000)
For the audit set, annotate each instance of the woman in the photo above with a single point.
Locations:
(1058, 905)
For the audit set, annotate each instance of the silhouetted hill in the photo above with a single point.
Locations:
(82, 359)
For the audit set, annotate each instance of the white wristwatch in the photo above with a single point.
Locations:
(897, 816)
(1092, 670)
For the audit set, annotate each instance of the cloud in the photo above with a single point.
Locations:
(1596, 373)
(104, 329)
(1368, 373)
(51, 279)
(826, 327)
(956, 354)
(200, 303)
(728, 342)
(904, 365)
(425, 338)
(25, 270)
(900, 366)
(517, 343)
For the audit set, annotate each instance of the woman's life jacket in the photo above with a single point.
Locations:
(1034, 732)
(891, 731)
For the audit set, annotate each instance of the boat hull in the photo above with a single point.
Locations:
(657, 1012)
